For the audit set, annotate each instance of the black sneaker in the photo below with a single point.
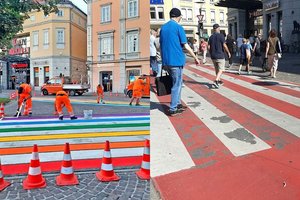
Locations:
(174, 113)
(17, 114)
(30, 114)
(220, 83)
(130, 104)
(61, 118)
(73, 117)
(181, 107)
(137, 104)
(216, 84)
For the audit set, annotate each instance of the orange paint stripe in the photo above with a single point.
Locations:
(73, 147)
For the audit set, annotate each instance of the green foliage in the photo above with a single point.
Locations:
(13, 13)
(4, 100)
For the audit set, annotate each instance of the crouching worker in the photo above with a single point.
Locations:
(24, 97)
(62, 99)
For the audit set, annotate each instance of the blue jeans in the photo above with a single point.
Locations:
(176, 74)
(153, 63)
(159, 66)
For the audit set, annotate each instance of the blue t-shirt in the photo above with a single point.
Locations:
(216, 42)
(172, 38)
(244, 47)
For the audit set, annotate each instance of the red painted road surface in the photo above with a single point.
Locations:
(272, 174)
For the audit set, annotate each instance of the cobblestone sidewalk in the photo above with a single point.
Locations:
(128, 188)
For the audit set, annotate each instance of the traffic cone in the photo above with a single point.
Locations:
(3, 183)
(2, 110)
(107, 172)
(34, 178)
(67, 176)
(144, 172)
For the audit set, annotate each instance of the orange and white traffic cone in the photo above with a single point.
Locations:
(34, 178)
(107, 171)
(144, 172)
(67, 176)
(3, 183)
(2, 110)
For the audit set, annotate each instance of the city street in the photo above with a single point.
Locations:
(240, 141)
(126, 127)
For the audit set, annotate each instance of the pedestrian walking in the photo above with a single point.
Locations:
(245, 56)
(172, 38)
(61, 100)
(239, 42)
(100, 94)
(24, 98)
(257, 49)
(138, 86)
(273, 52)
(217, 47)
(158, 54)
(153, 61)
(203, 48)
(195, 47)
(230, 42)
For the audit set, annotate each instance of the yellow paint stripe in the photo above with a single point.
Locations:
(70, 136)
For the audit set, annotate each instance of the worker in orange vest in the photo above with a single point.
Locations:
(62, 99)
(24, 97)
(138, 86)
(100, 94)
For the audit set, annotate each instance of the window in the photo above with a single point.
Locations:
(32, 18)
(46, 38)
(35, 36)
(60, 38)
(105, 13)
(184, 14)
(190, 15)
(157, 13)
(212, 16)
(60, 13)
(132, 8)
(152, 13)
(106, 46)
(212, 1)
(222, 17)
(132, 41)
(36, 76)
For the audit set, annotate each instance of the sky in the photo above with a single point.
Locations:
(80, 4)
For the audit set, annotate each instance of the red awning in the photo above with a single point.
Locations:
(19, 65)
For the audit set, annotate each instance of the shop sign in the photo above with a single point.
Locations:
(19, 65)
(270, 5)
(156, 1)
(20, 46)
(256, 13)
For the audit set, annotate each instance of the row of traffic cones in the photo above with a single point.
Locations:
(67, 176)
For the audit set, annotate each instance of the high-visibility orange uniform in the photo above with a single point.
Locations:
(138, 86)
(62, 98)
(100, 93)
(26, 94)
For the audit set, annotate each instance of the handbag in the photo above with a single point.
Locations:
(163, 84)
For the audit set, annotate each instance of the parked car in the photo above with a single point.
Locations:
(146, 90)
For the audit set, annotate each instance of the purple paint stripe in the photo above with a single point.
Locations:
(81, 116)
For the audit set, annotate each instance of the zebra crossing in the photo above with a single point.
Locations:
(246, 116)
(126, 133)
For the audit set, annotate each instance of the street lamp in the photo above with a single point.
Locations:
(200, 19)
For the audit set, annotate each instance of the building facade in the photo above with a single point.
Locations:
(284, 17)
(190, 9)
(118, 42)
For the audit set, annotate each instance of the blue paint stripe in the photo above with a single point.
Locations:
(74, 121)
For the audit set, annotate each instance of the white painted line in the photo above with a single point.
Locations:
(272, 93)
(281, 119)
(76, 155)
(168, 154)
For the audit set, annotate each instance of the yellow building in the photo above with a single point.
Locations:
(57, 44)
(190, 9)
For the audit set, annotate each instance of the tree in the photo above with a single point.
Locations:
(13, 13)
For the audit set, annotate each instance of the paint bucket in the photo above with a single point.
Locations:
(88, 114)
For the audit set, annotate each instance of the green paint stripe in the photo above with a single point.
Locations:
(73, 127)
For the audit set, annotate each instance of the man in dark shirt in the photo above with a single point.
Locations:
(216, 46)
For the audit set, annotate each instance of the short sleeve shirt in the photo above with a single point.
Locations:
(172, 39)
(216, 42)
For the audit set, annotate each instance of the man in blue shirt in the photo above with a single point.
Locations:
(216, 46)
(172, 39)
